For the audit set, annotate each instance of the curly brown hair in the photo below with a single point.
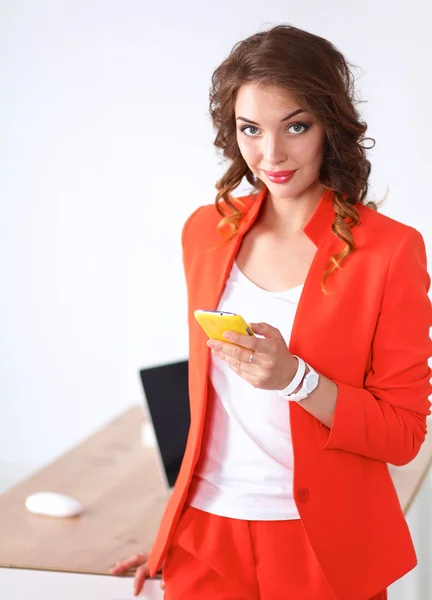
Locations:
(319, 77)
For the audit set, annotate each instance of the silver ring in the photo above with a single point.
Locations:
(251, 357)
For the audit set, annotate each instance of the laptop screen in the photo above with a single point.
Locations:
(166, 390)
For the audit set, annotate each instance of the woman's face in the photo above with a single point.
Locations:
(277, 143)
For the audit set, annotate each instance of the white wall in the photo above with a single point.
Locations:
(106, 147)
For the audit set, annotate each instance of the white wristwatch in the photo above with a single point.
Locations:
(310, 382)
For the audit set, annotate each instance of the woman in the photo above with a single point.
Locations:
(284, 490)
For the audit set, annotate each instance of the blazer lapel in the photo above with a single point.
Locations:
(215, 270)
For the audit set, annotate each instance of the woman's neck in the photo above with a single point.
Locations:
(289, 216)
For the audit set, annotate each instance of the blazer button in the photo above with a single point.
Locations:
(303, 495)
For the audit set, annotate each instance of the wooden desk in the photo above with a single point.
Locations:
(119, 483)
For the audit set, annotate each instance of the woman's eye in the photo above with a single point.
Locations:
(295, 127)
(249, 127)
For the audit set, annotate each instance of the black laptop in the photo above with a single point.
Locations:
(167, 398)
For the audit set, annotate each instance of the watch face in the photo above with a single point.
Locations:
(312, 382)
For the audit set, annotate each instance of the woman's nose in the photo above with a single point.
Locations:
(274, 153)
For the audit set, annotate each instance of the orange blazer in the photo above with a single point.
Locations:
(372, 339)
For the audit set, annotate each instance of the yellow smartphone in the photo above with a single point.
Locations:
(215, 322)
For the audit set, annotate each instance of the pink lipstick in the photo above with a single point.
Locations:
(279, 176)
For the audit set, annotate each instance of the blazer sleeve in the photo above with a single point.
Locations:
(386, 418)
(186, 226)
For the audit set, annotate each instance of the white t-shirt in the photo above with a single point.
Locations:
(246, 466)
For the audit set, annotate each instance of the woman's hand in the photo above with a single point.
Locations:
(272, 367)
(140, 561)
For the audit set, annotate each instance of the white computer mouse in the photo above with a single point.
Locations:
(53, 504)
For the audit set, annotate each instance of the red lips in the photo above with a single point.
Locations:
(279, 173)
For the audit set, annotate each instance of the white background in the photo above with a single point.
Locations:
(106, 148)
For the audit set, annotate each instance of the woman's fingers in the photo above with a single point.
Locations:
(134, 561)
(140, 576)
(142, 572)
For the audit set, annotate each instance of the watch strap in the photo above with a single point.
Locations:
(306, 389)
(297, 379)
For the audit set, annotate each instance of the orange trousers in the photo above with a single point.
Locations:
(217, 558)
